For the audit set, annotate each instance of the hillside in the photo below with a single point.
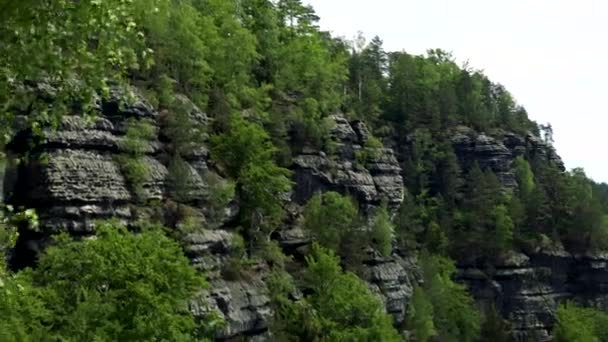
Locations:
(223, 170)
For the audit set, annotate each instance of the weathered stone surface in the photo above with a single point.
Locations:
(154, 187)
(78, 132)
(127, 103)
(392, 279)
(370, 181)
(528, 288)
(487, 152)
(208, 249)
(78, 176)
(244, 305)
(498, 153)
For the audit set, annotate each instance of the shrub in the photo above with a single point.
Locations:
(132, 162)
(341, 307)
(118, 286)
(420, 316)
(454, 313)
(382, 232)
(576, 323)
(330, 217)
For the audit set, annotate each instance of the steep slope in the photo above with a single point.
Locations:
(79, 181)
(235, 124)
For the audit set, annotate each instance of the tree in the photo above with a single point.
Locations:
(382, 232)
(495, 328)
(23, 314)
(455, 315)
(57, 53)
(340, 307)
(420, 316)
(247, 153)
(367, 67)
(504, 228)
(575, 323)
(332, 219)
(525, 178)
(118, 286)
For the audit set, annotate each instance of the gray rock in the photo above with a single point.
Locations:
(127, 103)
(208, 249)
(392, 280)
(244, 305)
(78, 176)
(342, 130)
(377, 180)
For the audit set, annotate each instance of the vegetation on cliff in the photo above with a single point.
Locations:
(270, 79)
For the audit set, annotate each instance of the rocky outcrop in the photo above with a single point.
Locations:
(370, 174)
(528, 288)
(244, 306)
(393, 279)
(498, 153)
(74, 178)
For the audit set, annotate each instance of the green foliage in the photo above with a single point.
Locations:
(382, 232)
(116, 286)
(246, 152)
(10, 223)
(416, 223)
(367, 65)
(23, 314)
(179, 179)
(486, 225)
(525, 177)
(420, 316)
(74, 48)
(575, 323)
(272, 253)
(340, 308)
(179, 124)
(331, 219)
(495, 328)
(454, 313)
(132, 163)
(243, 144)
(504, 228)
(119, 286)
(221, 193)
(137, 137)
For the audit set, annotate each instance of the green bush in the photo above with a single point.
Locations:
(246, 152)
(454, 313)
(136, 172)
(420, 316)
(576, 323)
(179, 179)
(329, 217)
(382, 232)
(118, 286)
(341, 307)
(135, 145)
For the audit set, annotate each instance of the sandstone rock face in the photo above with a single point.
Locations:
(370, 179)
(393, 279)
(244, 305)
(79, 180)
(499, 153)
(75, 178)
(528, 288)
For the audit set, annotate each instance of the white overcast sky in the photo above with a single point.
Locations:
(552, 55)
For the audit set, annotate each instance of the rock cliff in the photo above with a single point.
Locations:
(527, 288)
(72, 179)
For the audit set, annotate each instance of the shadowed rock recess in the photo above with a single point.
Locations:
(73, 179)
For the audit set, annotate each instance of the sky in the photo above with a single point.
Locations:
(552, 55)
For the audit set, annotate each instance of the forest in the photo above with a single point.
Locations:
(270, 81)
